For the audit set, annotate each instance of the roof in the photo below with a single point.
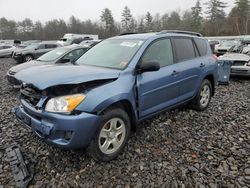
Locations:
(146, 36)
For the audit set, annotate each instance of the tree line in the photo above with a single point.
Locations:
(208, 18)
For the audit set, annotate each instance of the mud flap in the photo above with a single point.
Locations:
(19, 169)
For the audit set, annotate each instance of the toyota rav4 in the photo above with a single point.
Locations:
(123, 80)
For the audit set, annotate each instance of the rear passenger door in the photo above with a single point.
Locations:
(190, 66)
(160, 89)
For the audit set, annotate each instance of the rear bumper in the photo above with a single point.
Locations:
(63, 131)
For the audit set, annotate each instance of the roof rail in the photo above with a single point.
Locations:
(127, 33)
(181, 32)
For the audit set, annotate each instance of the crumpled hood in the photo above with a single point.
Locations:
(46, 76)
(234, 57)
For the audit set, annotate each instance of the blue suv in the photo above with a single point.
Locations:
(95, 102)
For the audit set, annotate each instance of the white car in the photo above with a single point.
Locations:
(240, 63)
(6, 50)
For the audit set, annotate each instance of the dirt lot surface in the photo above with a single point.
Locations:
(180, 148)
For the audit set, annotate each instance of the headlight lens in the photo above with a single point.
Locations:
(64, 104)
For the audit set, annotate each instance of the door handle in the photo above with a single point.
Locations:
(174, 73)
(202, 65)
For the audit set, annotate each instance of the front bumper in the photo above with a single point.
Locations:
(240, 71)
(63, 131)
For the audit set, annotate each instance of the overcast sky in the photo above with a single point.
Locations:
(45, 10)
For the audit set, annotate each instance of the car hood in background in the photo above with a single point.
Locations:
(29, 64)
(234, 57)
(46, 76)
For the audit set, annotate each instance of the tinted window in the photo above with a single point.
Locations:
(184, 49)
(50, 46)
(160, 51)
(202, 46)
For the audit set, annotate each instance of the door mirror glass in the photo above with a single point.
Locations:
(149, 66)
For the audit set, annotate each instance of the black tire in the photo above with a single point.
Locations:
(28, 58)
(197, 103)
(94, 149)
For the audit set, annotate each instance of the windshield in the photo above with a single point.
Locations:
(32, 46)
(52, 55)
(111, 53)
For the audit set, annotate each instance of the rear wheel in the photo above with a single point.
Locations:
(111, 136)
(202, 99)
(28, 58)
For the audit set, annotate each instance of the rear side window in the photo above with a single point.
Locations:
(202, 46)
(50, 46)
(160, 51)
(184, 49)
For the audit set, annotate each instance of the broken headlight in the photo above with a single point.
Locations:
(64, 104)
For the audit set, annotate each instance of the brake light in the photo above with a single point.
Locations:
(214, 57)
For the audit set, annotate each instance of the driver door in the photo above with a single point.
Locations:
(160, 89)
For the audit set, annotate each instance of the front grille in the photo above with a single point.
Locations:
(239, 63)
(222, 51)
(31, 95)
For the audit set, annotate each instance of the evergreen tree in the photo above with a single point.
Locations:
(108, 21)
(127, 20)
(149, 20)
(196, 17)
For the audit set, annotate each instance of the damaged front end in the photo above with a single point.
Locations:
(66, 129)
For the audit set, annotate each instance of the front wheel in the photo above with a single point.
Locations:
(111, 136)
(203, 97)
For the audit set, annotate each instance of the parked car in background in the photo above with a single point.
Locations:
(6, 50)
(24, 44)
(71, 38)
(224, 46)
(121, 81)
(34, 51)
(239, 56)
(58, 56)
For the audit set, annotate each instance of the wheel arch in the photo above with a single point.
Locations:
(127, 107)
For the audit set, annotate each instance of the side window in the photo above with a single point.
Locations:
(75, 54)
(202, 46)
(160, 51)
(40, 47)
(50, 46)
(184, 49)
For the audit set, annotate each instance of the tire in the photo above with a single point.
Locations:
(203, 97)
(28, 58)
(110, 140)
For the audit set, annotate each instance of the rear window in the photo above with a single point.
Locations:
(202, 46)
(184, 49)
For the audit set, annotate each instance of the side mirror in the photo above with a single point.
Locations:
(65, 60)
(148, 67)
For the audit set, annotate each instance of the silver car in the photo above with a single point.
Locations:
(6, 50)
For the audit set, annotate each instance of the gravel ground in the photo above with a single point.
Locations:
(180, 148)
